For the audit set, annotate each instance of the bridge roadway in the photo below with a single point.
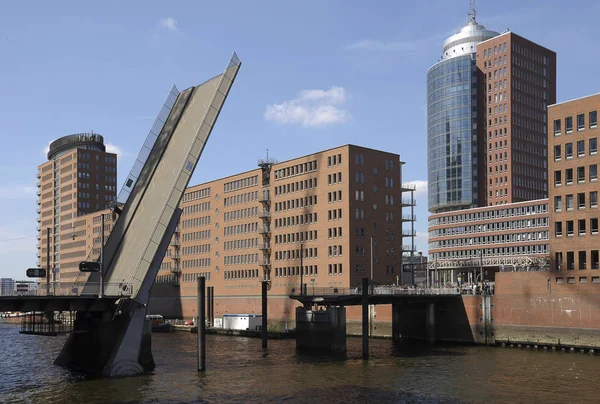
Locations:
(379, 295)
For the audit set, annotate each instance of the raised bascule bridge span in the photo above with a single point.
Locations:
(110, 336)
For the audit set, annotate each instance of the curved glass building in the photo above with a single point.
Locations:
(452, 122)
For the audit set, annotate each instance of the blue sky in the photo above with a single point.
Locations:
(69, 67)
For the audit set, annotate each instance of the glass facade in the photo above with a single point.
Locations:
(451, 134)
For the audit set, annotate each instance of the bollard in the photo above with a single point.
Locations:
(201, 324)
(365, 318)
(264, 314)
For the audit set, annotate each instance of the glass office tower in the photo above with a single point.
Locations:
(452, 122)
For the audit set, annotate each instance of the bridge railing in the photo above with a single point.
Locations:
(377, 290)
(111, 289)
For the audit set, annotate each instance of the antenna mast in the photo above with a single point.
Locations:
(473, 11)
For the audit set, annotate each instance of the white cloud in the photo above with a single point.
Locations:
(112, 148)
(47, 148)
(420, 187)
(311, 108)
(17, 192)
(169, 23)
(421, 242)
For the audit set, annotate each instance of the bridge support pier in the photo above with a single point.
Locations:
(430, 322)
(321, 331)
(396, 336)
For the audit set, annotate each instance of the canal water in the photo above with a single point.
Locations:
(238, 371)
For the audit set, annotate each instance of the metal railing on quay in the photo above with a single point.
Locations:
(377, 290)
(111, 289)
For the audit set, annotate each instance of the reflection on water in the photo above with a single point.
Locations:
(238, 371)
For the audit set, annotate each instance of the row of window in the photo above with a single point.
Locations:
(196, 249)
(581, 201)
(335, 269)
(198, 207)
(239, 184)
(490, 214)
(491, 239)
(492, 227)
(296, 203)
(296, 170)
(240, 214)
(593, 149)
(241, 198)
(307, 218)
(581, 177)
(581, 227)
(582, 262)
(334, 251)
(194, 195)
(295, 254)
(497, 49)
(193, 277)
(334, 160)
(335, 178)
(195, 222)
(240, 229)
(196, 263)
(296, 186)
(241, 244)
(241, 274)
(295, 271)
(334, 214)
(242, 259)
(334, 196)
(592, 121)
(196, 235)
(493, 252)
(298, 237)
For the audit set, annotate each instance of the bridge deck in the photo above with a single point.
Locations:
(56, 303)
(379, 295)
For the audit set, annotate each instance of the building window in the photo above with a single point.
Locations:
(581, 148)
(580, 122)
(581, 227)
(580, 174)
(557, 178)
(558, 261)
(569, 202)
(557, 153)
(569, 228)
(594, 258)
(570, 260)
(593, 145)
(558, 229)
(593, 172)
(557, 126)
(569, 176)
(557, 203)
(569, 150)
(594, 199)
(594, 225)
(593, 119)
(582, 260)
(569, 124)
(581, 200)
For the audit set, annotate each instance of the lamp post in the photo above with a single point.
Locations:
(102, 256)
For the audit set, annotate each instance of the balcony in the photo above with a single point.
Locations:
(265, 214)
(175, 242)
(264, 230)
(176, 269)
(265, 263)
(175, 255)
(409, 218)
(265, 247)
(265, 197)
(409, 202)
(406, 187)
(409, 233)
(177, 229)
